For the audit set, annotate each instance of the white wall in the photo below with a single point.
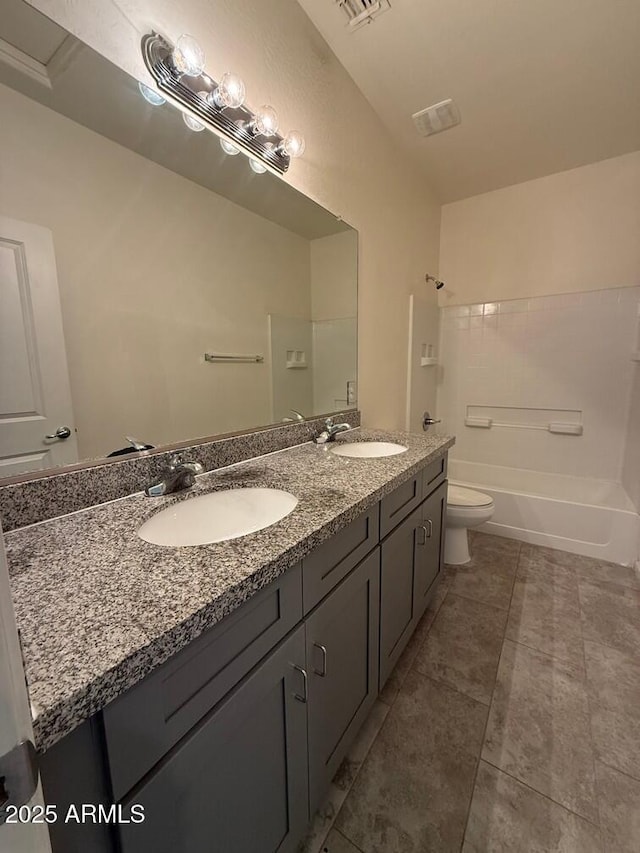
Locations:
(573, 231)
(149, 282)
(565, 352)
(351, 165)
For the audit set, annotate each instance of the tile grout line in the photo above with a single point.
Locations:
(493, 689)
(540, 793)
(540, 652)
(346, 837)
(617, 770)
(624, 654)
(587, 690)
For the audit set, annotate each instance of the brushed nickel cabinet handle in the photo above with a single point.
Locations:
(323, 649)
(304, 696)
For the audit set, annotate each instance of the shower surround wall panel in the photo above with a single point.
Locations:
(570, 353)
(631, 460)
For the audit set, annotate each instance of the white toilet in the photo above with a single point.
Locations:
(465, 508)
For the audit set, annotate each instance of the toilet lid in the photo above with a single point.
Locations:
(458, 496)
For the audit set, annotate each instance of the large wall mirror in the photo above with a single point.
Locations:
(133, 253)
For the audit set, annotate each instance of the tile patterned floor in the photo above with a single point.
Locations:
(511, 722)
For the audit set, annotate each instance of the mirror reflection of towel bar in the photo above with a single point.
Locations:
(220, 357)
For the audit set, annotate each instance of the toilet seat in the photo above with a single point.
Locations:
(459, 496)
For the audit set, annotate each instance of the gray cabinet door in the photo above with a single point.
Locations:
(342, 660)
(238, 782)
(397, 586)
(410, 566)
(430, 548)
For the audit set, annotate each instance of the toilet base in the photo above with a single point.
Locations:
(456, 546)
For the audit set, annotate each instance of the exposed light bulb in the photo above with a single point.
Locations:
(230, 92)
(265, 121)
(192, 123)
(188, 56)
(293, 144)
(151, 95)
(258, 167)
(229, 148)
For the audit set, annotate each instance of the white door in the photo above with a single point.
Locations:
(15, 728)
(35, 398)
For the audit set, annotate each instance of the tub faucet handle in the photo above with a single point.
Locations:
(428, 421)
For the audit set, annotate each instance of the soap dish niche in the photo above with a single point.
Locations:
(428, 355)
(296, 359)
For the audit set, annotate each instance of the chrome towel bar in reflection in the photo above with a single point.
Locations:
(216, 357)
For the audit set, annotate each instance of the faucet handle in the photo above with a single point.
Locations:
(176, 461)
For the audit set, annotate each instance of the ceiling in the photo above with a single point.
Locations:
(542, 86)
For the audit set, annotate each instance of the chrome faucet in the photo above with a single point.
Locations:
(330, 431)
(179, 474)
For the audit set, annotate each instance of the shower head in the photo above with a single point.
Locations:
(439, 284)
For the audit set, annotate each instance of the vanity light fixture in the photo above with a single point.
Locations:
(178, 71)
(264, 122)
(293, 144)
(192, 123)
(229, 148)
(188, 57)
(229, 92)
(258, 167)
(150, 95)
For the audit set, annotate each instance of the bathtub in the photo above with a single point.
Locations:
(585, 516)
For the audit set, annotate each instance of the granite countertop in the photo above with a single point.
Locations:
(98, 608)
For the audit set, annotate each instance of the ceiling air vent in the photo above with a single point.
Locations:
(436, 118)
(361, 12)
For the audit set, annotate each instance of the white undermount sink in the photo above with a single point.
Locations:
(217, 516)
(368, 449)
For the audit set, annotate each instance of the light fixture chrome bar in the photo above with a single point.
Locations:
(229, 123)
(218, 357)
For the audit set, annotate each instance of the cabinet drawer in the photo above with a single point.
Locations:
(397, 506)
(433, 475)
(333, 560)
(143, 724)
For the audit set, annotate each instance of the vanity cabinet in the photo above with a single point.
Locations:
(238, 782)
(232, 743)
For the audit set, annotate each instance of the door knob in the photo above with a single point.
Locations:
(61, 433)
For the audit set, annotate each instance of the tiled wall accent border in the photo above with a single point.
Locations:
(55, 494)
